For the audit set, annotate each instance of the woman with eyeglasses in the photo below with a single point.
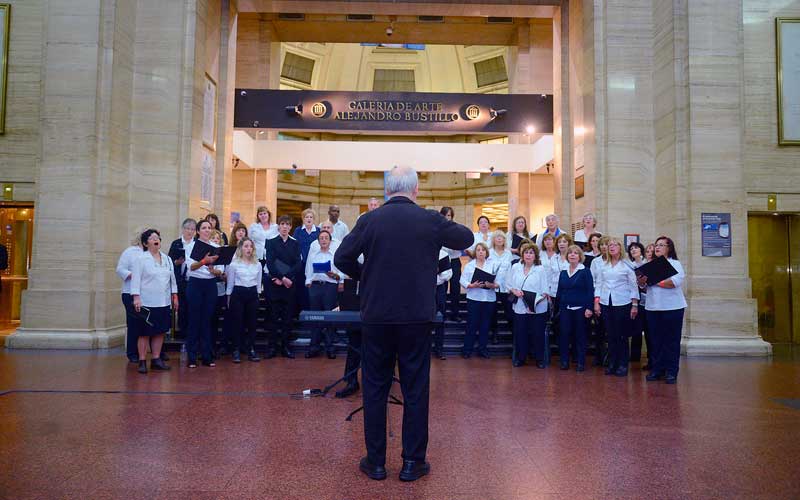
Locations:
(665, 308)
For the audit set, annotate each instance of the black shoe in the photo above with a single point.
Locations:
(442, 356)
(517, 364)
(646, 368)
(597, 361)
(414, 469)
(163, 356)
(564, 366)
(253, 356)
(236, 357)
(222, 351)
(158, 364)
(209, 362)
(270, 353)
(540, 364)
(349, 390)
(191, 363)
(484, 354)
(580, 368)
(652, 377)
(609, 371)
(466, 355)
(670, 379)
(133, 359)
(331, 355)
(312, 353)
(142, 366)
(286, 353)
(376, 472)
(621, 372)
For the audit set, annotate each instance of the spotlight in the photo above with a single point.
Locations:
(530, 129)
(243, 93)
(496, 113)
(255, 124)
(296, 110)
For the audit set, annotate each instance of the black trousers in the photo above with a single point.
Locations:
(281, 304)
(441, 305)
(454, 295)
(353, 361)
(183, 306)
(665, 329)
(240, 321)
(617, 321)
(202, 295)
(322, 297)
(529, 331)
(639, 327)
(220, 339)
(508, 310)
(134, 325)
(409, 346)
(572, 327)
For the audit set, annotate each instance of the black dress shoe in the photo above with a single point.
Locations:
(236, 357)
(163, 356)
(609, 371)
(158, 364)
(376, 472)
(484, 354)
(466, 355)
(253, 356)
(414, 469)
(311, 353)
(142, 366)
(286, 353)
(564, 366)
(133, 359)
(646, 368)
(540, 364)
(517, 363)
(331, 355)
(621, 372)
(652, 377)
(580, 368)
(670, 379)
(270, 354)
(349, 390)
(442, 356)
(209, 362)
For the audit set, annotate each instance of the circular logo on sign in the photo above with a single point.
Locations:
(472, 112)
(319, 109)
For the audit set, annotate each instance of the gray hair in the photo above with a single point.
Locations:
(591, 215)
(401, 179)
(552, 216)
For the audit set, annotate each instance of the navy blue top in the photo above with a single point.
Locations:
(305, 239)
(577, 290)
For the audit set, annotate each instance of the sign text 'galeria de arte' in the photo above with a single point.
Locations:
(393, 111)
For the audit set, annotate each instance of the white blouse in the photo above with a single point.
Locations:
(505, 265)
(616, 282)
(242, 273)
(551, 271)
(668, 299)
(201, 272)
(153, 282)
(444, 276)
(259, 235)
(535, 281)
(452, 254)
(478, 238)
(125, 266)
(582, 237)
(320, 257)
(481, 294)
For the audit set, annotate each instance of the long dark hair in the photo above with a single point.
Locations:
(671, 253)
(525, 230)
(447, 210)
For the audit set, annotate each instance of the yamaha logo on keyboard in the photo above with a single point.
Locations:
(313, 317)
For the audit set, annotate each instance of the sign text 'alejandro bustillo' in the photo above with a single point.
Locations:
(393, 111)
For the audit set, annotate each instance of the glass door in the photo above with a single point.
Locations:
(16, 234)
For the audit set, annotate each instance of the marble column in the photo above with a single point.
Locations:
(562, 116)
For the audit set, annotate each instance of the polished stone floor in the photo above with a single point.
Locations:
(86, 425)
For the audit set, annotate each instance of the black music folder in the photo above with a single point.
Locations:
(529, 298)
(143, 314)
(176, 253)
(444, 264)
(656, 270)
(349, 299)
(516, 241)
(201, 249)
(281, 268)
(481, 275)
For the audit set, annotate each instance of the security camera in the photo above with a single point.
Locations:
(243, 93)
(389, 31)
(491, 169)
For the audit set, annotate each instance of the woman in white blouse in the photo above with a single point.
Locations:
(635, 261)
(482, 236)
(665, 307)
(549, 256)
(201, 293)
(528, 275)
(242, 289)
(616, 300)
(323, 288)
(519, 228)
(262, 230)
(153, 287)
(589, 227)
(481, 297)
(501, 254)
(125, 272)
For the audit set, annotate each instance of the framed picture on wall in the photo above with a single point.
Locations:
(579, 187)
(5, 28)
(210, 113)
(630, 238)
(207, 167)
(787, 41)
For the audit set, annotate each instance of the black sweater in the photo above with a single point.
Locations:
(577, 290)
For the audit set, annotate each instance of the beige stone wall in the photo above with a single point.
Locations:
(768, 167)
(19, 146)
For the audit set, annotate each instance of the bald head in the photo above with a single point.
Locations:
(402, 181)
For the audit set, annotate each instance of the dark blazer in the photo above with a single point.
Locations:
(176, 248)
(400, 242)
(577, 290)
(289, 253)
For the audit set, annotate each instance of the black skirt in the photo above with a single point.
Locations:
(160, 322)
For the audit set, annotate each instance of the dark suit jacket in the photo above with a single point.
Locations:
(400, 242)
(287, 252)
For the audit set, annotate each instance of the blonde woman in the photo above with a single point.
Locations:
(502, 256)
(616, 300)
(481, 297)
(575, 301)
(242, 291)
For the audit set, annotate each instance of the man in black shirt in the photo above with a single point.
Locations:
(285, 264)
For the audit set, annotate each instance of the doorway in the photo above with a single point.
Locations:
(774, 262)
(16, 224)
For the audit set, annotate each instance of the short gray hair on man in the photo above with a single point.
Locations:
(401, 179)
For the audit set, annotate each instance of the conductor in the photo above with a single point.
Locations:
(400, 242)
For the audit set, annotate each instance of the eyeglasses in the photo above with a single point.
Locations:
(662, 245)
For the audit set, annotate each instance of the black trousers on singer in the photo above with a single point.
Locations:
(242, 317)
(409, 346)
